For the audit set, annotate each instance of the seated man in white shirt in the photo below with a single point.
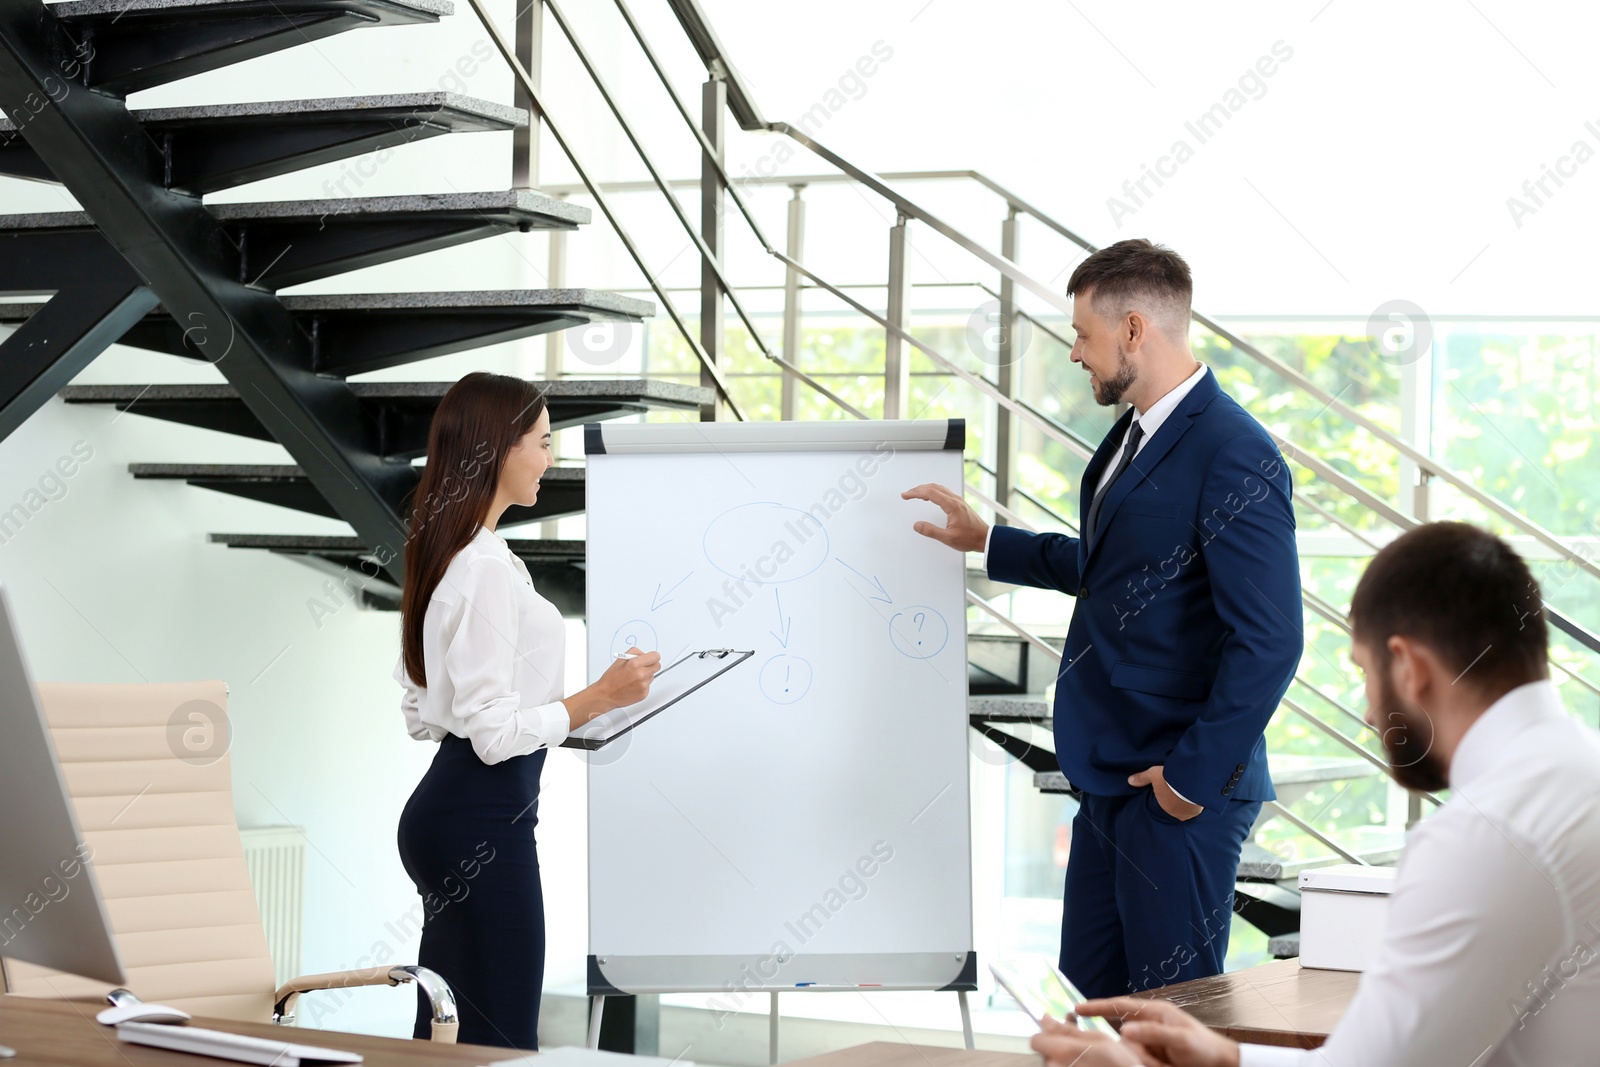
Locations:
(1491, 953)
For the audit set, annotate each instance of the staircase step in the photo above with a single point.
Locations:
(1256, 864)
(275, 244)
(1006, 663)
(1010, 707)
(1051, 782)
(1284, 947)
(1318, 770)
(352, 333)
(561, 491)
(210, 147)
(402, 411)
(557, 567)
(141, 43)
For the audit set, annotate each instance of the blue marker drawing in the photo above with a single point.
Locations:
(784, 623)
(919, 632)
(657, 603)
(883, 596)
(785, 679)
(635, 633)
(765, 543)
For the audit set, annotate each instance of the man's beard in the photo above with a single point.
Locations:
(1408, 740)
(1108, 391)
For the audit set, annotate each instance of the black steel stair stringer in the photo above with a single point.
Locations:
(96, 298)
(113, 170)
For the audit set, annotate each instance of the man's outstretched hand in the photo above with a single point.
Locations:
(963, 529)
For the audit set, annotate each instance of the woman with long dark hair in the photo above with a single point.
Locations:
(481, 661)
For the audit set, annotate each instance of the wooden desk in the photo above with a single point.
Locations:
(894, 1054)
(63, 1033)
(1277, 1003)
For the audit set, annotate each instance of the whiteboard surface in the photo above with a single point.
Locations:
(804, 818)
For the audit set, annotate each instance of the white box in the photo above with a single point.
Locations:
(1343, 912)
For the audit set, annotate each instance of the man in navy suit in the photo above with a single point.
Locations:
(1186, 631)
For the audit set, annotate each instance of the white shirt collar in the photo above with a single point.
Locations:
(1157, 413)
(482, 529)
(1485, 740)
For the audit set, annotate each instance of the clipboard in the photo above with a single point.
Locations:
(680, 678)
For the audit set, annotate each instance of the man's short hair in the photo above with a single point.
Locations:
(1138, 275)
(1466, 595)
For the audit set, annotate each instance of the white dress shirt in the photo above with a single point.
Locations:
(495, 653)
(1150, 419)
(1491, 952)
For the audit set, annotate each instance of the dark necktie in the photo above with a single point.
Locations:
(1135, 435)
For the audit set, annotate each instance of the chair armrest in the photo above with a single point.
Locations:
(443, 1001)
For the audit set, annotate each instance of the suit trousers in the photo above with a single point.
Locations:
(466, 840)
(1149, 898)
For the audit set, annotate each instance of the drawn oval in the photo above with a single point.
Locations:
(766, 543)
(635, 633)
(785, 679)
(919, 632)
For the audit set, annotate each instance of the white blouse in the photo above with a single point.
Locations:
(495, 653)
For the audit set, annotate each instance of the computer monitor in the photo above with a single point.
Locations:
(51, 911)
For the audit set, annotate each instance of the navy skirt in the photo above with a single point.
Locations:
(466, 840)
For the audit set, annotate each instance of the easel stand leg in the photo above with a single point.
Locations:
(597, 1010)
(772, 1029)
(966, 1019)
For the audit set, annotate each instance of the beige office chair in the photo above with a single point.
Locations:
(153, 792)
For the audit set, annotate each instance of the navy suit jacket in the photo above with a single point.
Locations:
(1188, 625)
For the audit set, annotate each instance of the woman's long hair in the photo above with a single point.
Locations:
(478, 420)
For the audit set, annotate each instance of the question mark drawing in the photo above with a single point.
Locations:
(919, 632)
(635, 633)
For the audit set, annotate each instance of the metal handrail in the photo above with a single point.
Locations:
(1015, 627)
(520, 73)
(1306, 828)
(677, 207)
(1029, 497)
(704, 39)
(740, 102)
(1331, 401)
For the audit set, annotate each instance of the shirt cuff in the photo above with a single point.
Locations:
(1180, 796)
(1271, 1056)
(986, 539)
(555, 722)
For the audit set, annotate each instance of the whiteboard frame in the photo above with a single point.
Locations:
(617, 974)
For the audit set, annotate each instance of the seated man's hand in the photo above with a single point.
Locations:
(963, 529)
(1164, 1034)
(1064, 1045)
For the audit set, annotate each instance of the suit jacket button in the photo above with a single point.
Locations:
(1083, 591)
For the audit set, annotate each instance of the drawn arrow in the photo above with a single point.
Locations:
(883, 597)
(786, 623)
(657, 603)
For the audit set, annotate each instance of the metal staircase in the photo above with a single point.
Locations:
(148, 264)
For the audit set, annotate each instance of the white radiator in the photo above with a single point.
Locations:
(277, 859)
